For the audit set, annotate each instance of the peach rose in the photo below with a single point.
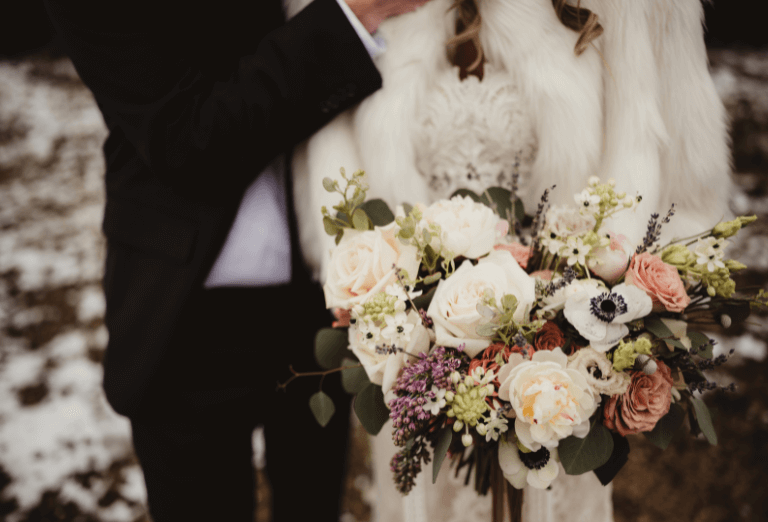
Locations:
(646, 401)
(521, 253)
(660, 281)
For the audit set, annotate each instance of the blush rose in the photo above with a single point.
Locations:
(660, 281)
(646, 401)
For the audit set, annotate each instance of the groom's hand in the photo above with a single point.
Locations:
(372, 12)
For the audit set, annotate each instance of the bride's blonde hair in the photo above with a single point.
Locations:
(580, 19)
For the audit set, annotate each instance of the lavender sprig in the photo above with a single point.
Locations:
(653, 232)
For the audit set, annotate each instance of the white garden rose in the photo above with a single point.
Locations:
(384, 367)
(550, 400)
(454, 306)
(362, 263)
(468, 228)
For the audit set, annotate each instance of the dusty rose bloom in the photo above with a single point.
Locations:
(549, 337)
(660, 281)
(521, 253)
(646, 401)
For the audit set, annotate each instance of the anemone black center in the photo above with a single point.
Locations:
(607, 306)
(535, 459)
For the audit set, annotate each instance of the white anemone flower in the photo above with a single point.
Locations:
(537, 468)
(600, 315)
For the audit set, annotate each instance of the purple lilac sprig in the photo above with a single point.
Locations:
(413, 390)
(406, 464)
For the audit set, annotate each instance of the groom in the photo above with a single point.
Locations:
(208, 300)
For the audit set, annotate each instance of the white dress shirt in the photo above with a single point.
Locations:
(257, 251)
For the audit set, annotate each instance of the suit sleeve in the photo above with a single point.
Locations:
(186, 118)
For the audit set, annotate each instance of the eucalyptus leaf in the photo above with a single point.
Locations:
(500, 198)
(360, 220)
(698, 339)
(509, 302)
(441, 450)
(353, 378)
(378, 211)
(331, 346)
(704, 420)
(485, 310)
(654, 325)
(330, 227)
(667, 426)
(370, 409)
(519, 210)
(581, 455)
(322, 408)
(328, 185)
(432, 278)
(422, 302)
(466, 193)
(339, 235)
(486, 329)
(407, 207)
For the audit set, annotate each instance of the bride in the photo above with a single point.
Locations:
(480, 90)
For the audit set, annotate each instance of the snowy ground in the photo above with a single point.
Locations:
(64, 455)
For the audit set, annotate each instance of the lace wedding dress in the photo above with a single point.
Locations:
(476, 134)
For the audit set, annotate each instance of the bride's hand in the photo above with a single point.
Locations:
(372, 12)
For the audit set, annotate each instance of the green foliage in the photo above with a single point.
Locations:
(441, 450)
(422, 302)
(370, 409)
(581, 455)
(667, 427)
(322, 408)
(378, 212)
(349, 213)
(331, 346)
(704, 420)
(654, 325)
(699, 339)
(353, 377)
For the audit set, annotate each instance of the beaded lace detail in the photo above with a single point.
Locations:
(471, 133)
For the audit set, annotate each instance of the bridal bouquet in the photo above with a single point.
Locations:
(515, 344)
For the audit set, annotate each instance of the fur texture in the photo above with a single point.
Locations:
(639, 106)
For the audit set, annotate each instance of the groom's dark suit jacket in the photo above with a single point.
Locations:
(197, 103)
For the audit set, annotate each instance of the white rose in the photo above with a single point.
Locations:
(384, 368)
(550, 400)
(454, 306)
(568, 221)
(362, 265)
(468, 228)
(598, 371)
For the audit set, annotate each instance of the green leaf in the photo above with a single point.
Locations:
(330, 227)
(360, 220)
(486, 329)
(354, 379)
(500, 197)
(441, 450)
(704, 420)
(581, 455)
(698, 339)
(654, 325)
(331, 346)
(433, 278)
(466, 193)
(370, 409)
(322, 408)
(407, 207)
(667, 426)
(379, 212)
(422, 302)
(328, 185)
(519, 210)
(509, 302)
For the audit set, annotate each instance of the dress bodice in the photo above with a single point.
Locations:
(473, 134)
